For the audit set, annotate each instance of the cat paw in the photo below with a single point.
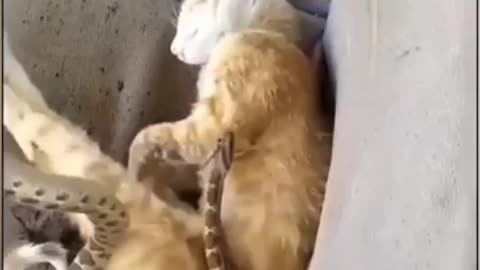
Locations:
(152, 143)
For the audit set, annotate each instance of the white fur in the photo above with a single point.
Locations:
(25, 112)
(26, 255)
(196, 34)
(14, 75)
(201, 24)
(24, 121)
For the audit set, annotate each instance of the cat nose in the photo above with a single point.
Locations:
(176, 51)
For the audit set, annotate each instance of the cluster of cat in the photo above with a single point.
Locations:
(255, 83)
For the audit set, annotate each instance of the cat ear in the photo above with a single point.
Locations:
(230, 14)
(213, 4)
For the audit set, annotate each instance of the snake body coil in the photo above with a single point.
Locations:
(29, 186)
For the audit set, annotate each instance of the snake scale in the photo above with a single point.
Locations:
(29, 186)
(219, 164)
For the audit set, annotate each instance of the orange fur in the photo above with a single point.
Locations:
(159, 237)
(260, 86)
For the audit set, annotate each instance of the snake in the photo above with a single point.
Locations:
(219, 163)
(27, 185)
(30, 186)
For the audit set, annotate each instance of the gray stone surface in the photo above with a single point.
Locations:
(106, 65)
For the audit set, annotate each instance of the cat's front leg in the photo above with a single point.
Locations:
(154, 140)
(185, 141)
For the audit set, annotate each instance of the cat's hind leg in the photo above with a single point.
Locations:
(66, 146)
(15, 111)
(16, 77)
(31, 129)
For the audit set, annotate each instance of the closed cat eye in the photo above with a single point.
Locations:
(193, 33)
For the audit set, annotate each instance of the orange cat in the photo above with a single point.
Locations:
(256, 83)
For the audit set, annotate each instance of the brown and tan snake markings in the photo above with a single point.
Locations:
(219, 164)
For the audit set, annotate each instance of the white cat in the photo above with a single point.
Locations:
(201, 24)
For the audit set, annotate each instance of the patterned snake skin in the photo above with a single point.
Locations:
(29, 186)
(219, 164)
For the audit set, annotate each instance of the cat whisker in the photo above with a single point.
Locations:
(171, 7)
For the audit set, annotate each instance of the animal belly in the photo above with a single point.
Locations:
(257, 241)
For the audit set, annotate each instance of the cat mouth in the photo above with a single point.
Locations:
(181, 56)
(190, 61)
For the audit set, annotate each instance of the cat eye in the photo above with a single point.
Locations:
(220, 35)
(192, 34)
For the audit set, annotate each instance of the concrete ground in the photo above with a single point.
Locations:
(402, 184)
